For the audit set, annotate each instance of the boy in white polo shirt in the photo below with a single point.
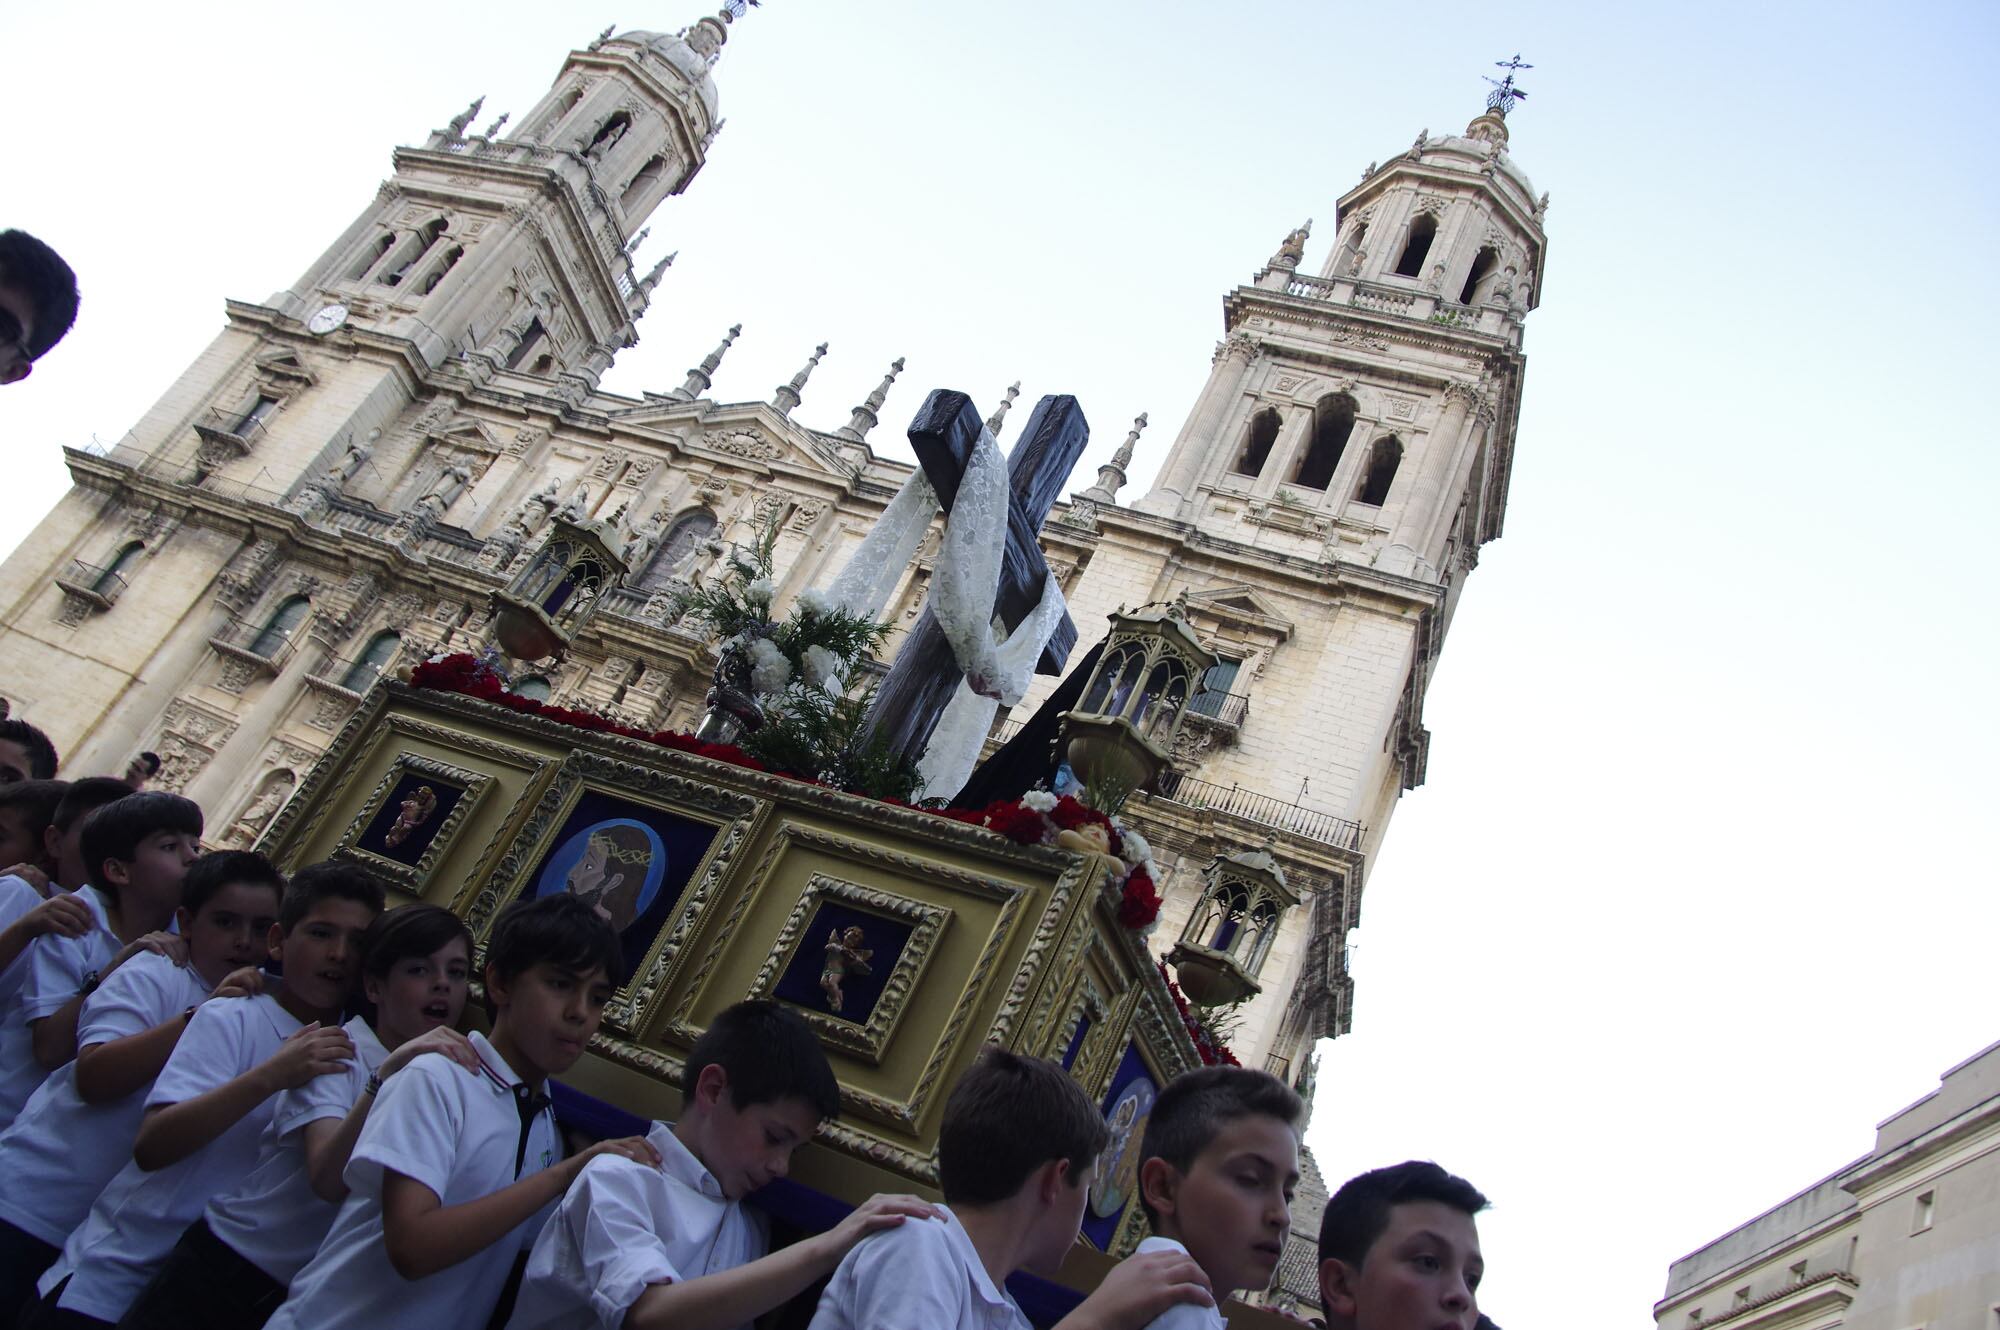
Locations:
(643, 1248)
(1016, 1156)
(455, 1170)
(231, 1268)
(76, 1132)
(206, 1111)
(1217, 1169)
(136, 850)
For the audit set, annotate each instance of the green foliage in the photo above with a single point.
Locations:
(812, 732)
(1106, 795)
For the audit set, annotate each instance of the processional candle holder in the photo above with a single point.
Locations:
(544, 606)
(1121, 735)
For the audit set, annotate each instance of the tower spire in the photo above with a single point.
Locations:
(786, 398)
(993, 421)
(1111, 476)
(652, 279)
(701, 376)
(867, 414)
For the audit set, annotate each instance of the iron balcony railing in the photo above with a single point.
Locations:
(1236, 801)
(1224, 708)
(264, 645)
(99, 586)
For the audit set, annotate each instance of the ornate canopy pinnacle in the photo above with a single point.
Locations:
(999, 416)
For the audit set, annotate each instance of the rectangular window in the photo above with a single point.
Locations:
(259, 409)
(1216, 685)
(1926, 1211)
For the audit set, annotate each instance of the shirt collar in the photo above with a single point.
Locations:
(1154, 1242)
(678, 1162)
(497, 1076)
(366, 1043)
(968, 1255)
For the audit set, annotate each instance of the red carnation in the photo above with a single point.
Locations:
(1140, 903)
(1017, 823)
(1069, 814)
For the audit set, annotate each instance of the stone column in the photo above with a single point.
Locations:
(1295, 427)
(1198, 437)
(1414, 514)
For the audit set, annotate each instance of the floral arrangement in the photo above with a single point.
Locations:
(1213, 1051)
(1041, 818)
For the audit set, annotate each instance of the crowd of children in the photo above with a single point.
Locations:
(231, 1100)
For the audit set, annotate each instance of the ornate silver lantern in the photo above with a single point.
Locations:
(542, 609)
(1119, 736)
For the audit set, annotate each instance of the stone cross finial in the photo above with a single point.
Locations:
(993, 422)
(701, 376)
(787, 397)
(493, 130)
(458, 122)
(866, 415)
(1111, 476)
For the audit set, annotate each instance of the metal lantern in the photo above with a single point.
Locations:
(539, 613)
(1122, 732)
(1243, 899)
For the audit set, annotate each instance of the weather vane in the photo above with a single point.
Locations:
(1504, 93)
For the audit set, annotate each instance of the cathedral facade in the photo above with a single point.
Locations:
(333, 489)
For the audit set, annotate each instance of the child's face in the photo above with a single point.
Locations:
(747, 1147)
(230, 931)
(15, 764)
(420, 993)
(1232, 1208)
(1421, 1274)
(322, 953)
(18, 843)
(152, 876)
(550, 1014)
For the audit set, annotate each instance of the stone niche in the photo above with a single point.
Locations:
(726, 884)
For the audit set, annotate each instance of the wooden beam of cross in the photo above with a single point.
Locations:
(925, 674)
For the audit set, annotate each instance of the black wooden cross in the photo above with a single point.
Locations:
(925, 674)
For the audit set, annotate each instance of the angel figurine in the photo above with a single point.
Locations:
(844, 956)
(417, 810)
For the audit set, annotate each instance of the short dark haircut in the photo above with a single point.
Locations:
(410, 930)
(49, 283)
(86, 794)
(1193, 1108)
(42, 760)
(1359, 1211)
(1007, 1116)
(212, 872)
(36, 801)
(770, 1054)
(151, 761)
(559, 930)
(328, 880)
(115, 830)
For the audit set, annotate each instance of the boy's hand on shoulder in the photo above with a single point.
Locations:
(635, 1148)
(246, 982)
(63, 915)
(1140, 1288)
(312, 1051)
(884, 1210)
(31, 875)
(441, 1040)
(171, 945)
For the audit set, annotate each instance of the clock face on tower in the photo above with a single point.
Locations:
(326, 319)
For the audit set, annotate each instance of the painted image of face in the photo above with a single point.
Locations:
(232, 929)
(1422, 1273)
(420, 993)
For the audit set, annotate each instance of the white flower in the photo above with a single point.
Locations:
(820, 666)
(1135, 847)
(769, 670)
(1041, 801)
(812, 598)
(759, 592)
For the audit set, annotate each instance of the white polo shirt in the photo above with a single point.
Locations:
(62, 1151)
(140, 1216)
(275, 1220)
(624, 1225)
(922, 1274)
(456, 1132)
(1188, 1315)
(19, 1072)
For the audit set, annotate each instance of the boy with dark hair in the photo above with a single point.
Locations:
(26, 809)
(25, 752)
(1016, 1156)
(141, 769)
(25, 915)
(76, 1132)
(1398, 1250)
(669, 1247)
(38, 302)
(1217, 1168)
(136, 850)
(206, 1112)
(455, 1170)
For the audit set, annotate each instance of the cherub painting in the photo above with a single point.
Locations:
(417, 809)
(844, 956)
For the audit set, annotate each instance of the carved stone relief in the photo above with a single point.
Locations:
(189, 737)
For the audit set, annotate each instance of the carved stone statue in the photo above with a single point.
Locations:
(645, 539)
(578, 507)
(262, 809)
(444, 491)
(1293, 248)
(535, 509)
(356, 457)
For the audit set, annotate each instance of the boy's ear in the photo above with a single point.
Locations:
(1159, 1181)
(711, 1086)
(52, 844)
(183, 919)
(496, 990)
(1337, 1295)
(115, 871)
(274, 943)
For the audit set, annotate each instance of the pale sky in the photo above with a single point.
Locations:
(1693, 896)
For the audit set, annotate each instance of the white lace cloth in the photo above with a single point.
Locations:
(963, 588)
